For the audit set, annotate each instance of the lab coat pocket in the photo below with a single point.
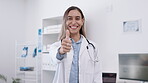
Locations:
(88, 78)
(90, 67)
(89, 70)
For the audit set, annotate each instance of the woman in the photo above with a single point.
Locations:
(77, 57)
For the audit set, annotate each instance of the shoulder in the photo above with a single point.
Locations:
(94, 43)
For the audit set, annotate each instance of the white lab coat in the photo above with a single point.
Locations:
(89, 71)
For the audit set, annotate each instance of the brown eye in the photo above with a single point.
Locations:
(69, 18)
(78, 18)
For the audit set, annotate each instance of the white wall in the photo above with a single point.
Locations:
(40, 9)
(11, 29)
(115, 40)
(32, 21)
(104, 24)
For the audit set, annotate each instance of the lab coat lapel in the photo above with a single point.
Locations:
(67, 64)
(82, 56)
(69, 59)
(83, 45)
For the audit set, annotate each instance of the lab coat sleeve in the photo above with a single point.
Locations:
(53, 52)
(98, 69)
(60, 56)
(59, 74)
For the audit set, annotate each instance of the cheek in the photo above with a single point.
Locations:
(81, 23)
(67, 23)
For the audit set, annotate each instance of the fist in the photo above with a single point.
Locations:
(66, 44)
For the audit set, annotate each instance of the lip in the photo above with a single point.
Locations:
(73, 27)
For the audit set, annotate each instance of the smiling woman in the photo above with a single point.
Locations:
(73, 52)
(73, 16)
(74, 22)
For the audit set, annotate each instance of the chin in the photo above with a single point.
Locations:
(73, 32)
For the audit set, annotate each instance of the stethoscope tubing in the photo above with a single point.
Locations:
(95, 57)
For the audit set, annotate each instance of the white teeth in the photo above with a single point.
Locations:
(73, 27)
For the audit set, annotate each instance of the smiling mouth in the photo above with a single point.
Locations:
(73, 27)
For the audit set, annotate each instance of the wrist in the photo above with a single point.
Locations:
(61, 51)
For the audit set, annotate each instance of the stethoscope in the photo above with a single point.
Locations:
(90, 55)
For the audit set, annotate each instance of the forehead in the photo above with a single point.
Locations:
(74, 13)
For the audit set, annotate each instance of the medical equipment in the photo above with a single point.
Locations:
(24, 52)
(35, 52)
(95, 57)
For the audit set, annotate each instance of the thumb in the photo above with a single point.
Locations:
(67, 34)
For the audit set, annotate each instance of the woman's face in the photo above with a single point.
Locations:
(74, 22)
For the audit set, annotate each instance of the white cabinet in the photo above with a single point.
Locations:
(26, 62)
(50, 33)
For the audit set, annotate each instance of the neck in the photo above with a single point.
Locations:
(75, 37)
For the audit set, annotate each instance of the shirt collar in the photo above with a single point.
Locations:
(77, 41)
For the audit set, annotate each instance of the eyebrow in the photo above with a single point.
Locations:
(74, 16)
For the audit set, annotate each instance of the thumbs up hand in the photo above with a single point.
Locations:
(67, 34)
(66, 44)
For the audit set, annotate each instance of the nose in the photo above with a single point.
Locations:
(73, 21)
